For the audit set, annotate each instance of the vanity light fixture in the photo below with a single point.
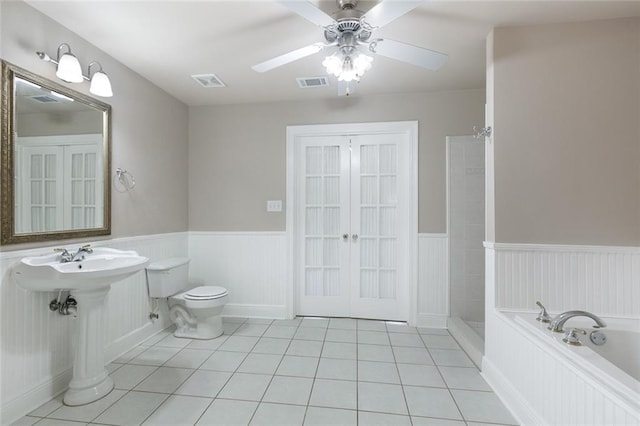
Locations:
(100, 84)
(69, 70)
(68, 66)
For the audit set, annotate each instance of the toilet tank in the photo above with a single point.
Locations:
(168, 276)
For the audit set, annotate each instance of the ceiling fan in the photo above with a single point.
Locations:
(350, 33)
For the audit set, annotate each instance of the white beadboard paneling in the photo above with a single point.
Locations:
(36, 352)
(433, 280)
(599, 279)
(251, 265)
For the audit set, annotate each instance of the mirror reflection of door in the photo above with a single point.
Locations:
(58, 162)
(58, 183)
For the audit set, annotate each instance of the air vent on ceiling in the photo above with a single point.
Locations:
(45, 99)
(208, 80)
(307, 82)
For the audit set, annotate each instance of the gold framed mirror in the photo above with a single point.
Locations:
(55, 160)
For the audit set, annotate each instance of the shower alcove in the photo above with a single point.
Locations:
(466, 229)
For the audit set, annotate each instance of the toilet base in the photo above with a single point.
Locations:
(206, 329)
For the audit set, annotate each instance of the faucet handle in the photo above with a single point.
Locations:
(60, 250)
(87, 248)
(571, 336)
(543, 316)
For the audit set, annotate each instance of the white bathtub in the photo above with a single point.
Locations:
(546, 381)
(616, 363)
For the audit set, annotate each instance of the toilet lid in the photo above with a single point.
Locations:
(205, 293)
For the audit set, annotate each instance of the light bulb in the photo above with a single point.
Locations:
(362, 63)
(348, 71)
(333, 64)
(100, 85)
(69, 69)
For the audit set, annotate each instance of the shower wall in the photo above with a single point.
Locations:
(466, 195)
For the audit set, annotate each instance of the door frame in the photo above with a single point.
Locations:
(294, 133)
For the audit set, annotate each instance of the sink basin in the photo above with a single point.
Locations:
(98, 269)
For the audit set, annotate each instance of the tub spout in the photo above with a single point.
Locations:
(558, 322)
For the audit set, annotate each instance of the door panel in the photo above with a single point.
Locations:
(379, 203)
(324, 272)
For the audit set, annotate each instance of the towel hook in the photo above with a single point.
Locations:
(123, 180)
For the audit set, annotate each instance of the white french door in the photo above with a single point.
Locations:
(353, 233)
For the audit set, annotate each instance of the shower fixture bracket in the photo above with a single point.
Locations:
(482, 132)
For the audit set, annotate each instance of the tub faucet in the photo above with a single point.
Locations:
(558, 322)
(543, 316)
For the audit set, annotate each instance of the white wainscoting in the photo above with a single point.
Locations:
(37, 348)
(251, 265)
(433, 280)
(599, 279)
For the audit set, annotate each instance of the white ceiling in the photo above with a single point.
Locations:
(167, 41)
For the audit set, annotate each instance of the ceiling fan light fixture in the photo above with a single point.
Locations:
(351, 32)
(333, 64)
(348, 71)
(362, 63)
(347, 67)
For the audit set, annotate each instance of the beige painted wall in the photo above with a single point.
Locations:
(149, 127)
(69, 123)
(237, 154)
(566, 108)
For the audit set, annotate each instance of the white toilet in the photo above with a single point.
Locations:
(196, 312)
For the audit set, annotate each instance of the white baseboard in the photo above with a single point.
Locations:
(468, 339)
(432, 320)
(255, 311)
(27, 402)
(124, 344)
(509, 395)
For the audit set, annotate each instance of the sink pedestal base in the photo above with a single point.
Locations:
(90, 379)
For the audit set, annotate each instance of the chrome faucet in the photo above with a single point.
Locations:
(543, 316)
(558, 322)
(66, 256)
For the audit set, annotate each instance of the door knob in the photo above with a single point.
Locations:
(354, 237)
(345, 237)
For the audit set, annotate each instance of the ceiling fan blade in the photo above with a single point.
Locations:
(309, 12)
(404, 52)
(387, 11)
(294, 55)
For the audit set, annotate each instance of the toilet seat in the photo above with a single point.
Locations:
(205, 293)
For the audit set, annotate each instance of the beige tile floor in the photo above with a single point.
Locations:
(305, 371)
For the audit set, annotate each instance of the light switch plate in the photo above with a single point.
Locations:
(274, 205)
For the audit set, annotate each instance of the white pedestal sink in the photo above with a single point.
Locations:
(89, 281)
